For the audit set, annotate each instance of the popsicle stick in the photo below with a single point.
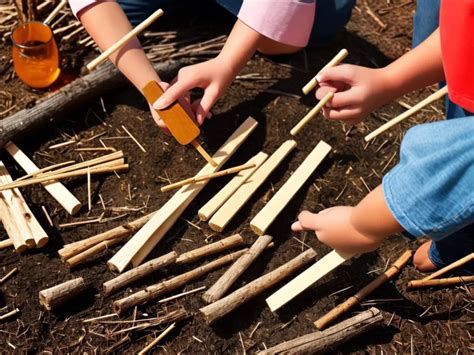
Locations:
(203, 152)
(311, 114)
(138, 247)
(386, 126)
(440, 282)
(450, 267)
(273, 208)
(56, 10)
(206, 211)
(334, 61)
(230, 208)
(195, 179)
(117, 45)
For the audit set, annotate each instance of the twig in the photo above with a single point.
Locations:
(7, 276)
(134, 139)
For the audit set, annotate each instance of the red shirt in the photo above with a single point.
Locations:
(457, 46)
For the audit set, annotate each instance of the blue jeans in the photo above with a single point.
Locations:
(331, 15)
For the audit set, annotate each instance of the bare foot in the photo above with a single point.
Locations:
(421, 259)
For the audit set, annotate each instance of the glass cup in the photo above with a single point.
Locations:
(35, 54)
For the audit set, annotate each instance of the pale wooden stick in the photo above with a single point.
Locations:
(440, 282)
(203, 153)
(6, 243)
(329, 339)
(57, 190)
(46, 214)
(157, 340)
(8, 275)
(89, 197)
(56, 10)
(278, 202)
(134, 139)
(137, 248)
(342, 308)
(125, 230)
(156, 290)
(230, 208)
(312, 113)
(334, 61)
(46, 169)
(106, 316)
(182, 294)
(87, 254)
(210, 249)
(195, 179)
(206, 211)
(56, 296)
(116, 46)
(430, 99)
(11, 228)
(227, 304)
(138, 273)
(238, 268)
(460, 262)
(9, 314)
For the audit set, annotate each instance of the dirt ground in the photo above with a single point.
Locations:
(425, 321)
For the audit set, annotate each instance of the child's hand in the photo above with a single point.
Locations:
(359, 91)
(213, 76)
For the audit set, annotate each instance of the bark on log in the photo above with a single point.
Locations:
(89, 253)
(56, 296)
(227, 304)
(331, 338)
(457, 280)
(237, 269)
(81, 90)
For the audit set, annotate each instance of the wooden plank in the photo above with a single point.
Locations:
(308, 277)
(59, 192)
(142, 243)
(278, 202)
(229, 209)
(228, 190)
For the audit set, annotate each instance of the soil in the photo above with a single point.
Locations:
(425, 321)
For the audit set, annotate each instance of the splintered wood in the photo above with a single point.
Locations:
(142, 243)
(54, 297)
(230, 208)
(273, 208)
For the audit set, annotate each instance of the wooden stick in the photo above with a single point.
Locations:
(195, 179)
(238, 268)
(182, 294)
(156, 290)
(342, 308)
(278, 202)
(227, 304)
(203, 153)
(89, 253)
(308, 277)
(458, 263)
(89, 194)
(125, 230)
(440, 282)
(53, 13)
(138, 273)
(9, 314)
(6, 243)
(329, 339)
(157, 340)
(137, 248)
(230, 208)
(311, 114)
(46, 169)
(116, 46)
(11, 228)
(430, 99)
(334, 61)
(57, 190)
(134, 139)
(210, 249)
(54, 297)
(8, 275)
(206, 211)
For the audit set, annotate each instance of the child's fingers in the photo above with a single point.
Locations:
(309, 221)
(350, 115)
(343, 72)
(297, 227)
(195, 105)
(211, 95)
(173, 93)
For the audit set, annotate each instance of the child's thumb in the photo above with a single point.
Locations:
(172, 94)
(308, 221)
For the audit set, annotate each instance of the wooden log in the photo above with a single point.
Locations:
(311, 114)
(138, 273)
(156, 290)
(238, 268)
(458, 263)
(56, 296)
(123, 231)
(229, 303)
(329, 339)
(440, 282)
(342, 308)
(195, 179)
(308, 277)
(89, 253)
(210, 249)
(7, 242)
(137, 248)
(260, 223)
(72, 95)
(230, 208)
(394, 121)
(206, 211)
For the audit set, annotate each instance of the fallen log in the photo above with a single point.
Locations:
(457, 280)
(238, 268)
(227, 304)
(82, 90)
(331, 338)
(54, 297)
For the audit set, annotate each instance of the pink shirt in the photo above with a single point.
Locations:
(285, 21)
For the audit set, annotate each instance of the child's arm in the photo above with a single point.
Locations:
(361, 90)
